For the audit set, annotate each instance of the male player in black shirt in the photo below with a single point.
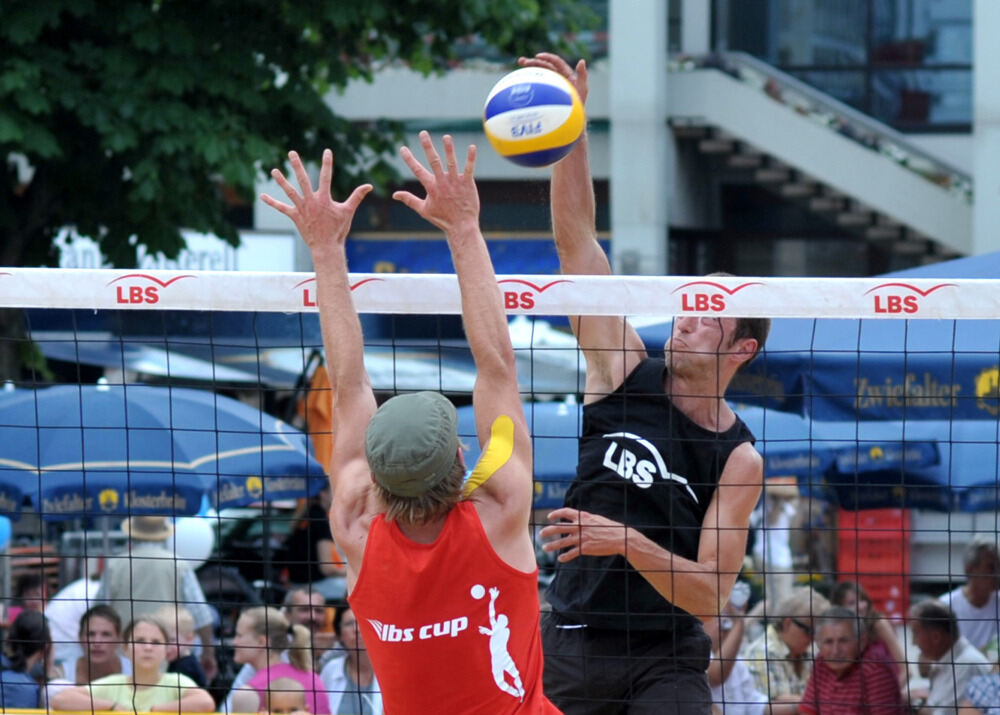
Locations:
(653, 531)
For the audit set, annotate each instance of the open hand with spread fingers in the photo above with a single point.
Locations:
(322, 221)
(452, 198)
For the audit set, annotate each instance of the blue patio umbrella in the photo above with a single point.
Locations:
(876, 369)
(871, 369)
(943, 465)
(82, 451)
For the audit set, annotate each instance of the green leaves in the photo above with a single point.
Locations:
(132, 113)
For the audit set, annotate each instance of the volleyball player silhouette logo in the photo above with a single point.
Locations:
(501, 662)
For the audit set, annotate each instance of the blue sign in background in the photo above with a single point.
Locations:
(427, 255)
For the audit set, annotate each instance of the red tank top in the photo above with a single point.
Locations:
(449, 626)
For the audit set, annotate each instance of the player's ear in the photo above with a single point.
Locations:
(744, 350)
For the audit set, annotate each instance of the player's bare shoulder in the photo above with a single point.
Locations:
(745, 467)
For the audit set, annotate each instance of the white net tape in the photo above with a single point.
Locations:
(523, 294)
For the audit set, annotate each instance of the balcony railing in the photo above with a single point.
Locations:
(834, 114)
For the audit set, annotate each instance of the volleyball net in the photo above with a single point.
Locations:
(190, 394)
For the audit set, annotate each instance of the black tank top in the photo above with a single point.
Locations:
(643, 463)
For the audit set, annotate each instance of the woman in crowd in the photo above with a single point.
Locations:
(30, 594)
(100, 640)
(780, 658)
(148, 689)
(878, 630)
(25, 661)
(263, 636)
(349, 679)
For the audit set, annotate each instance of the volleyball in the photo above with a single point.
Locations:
(533, 117)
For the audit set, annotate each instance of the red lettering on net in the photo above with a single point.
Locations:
(708, 301)
(897, 302)
(308, 299)
(525, 299)
(139, 293)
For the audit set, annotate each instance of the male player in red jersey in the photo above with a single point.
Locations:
(441, 573)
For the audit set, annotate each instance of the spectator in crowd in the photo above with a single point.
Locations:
(309, 552)
(307, 607)
(148, 576)
(25, 661)
(953, 661)
(148, 688)
(772, 550)
(848, 677)
(976, 604)
(263, 637)
(30, 594)
(779, 659)
(100, 640)
(284, 697)
(879, 632)
(65, 610)
(180, 657)
(349, 679)
(982, 696)
(733, 689)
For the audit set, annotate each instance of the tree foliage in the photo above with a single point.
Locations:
(126, 118)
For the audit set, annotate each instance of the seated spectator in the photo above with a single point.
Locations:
(953, 660)
(30, 594)
(779, 659)
(848, 677)
(878, 631)
(148, 688)
(285, 696)
(307, 607)
(180, 654)
(63, 613)
(349, 679)
(733, 690)
(982, 696)
(976, 604)
(263, 637)
(25, 661)
(100, 641)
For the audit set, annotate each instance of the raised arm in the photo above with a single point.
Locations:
(324, 224)
(610, 345)
(503, 475)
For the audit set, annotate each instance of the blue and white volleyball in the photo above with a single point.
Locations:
(533, 117)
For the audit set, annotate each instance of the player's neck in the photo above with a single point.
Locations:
(700, 398)
(424, 533)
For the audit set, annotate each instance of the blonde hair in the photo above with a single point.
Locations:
(286, 686)
(435, 502)
(281, 636)
(178, 621)
(803, 602)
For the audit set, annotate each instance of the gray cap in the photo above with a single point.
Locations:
(412, 442)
